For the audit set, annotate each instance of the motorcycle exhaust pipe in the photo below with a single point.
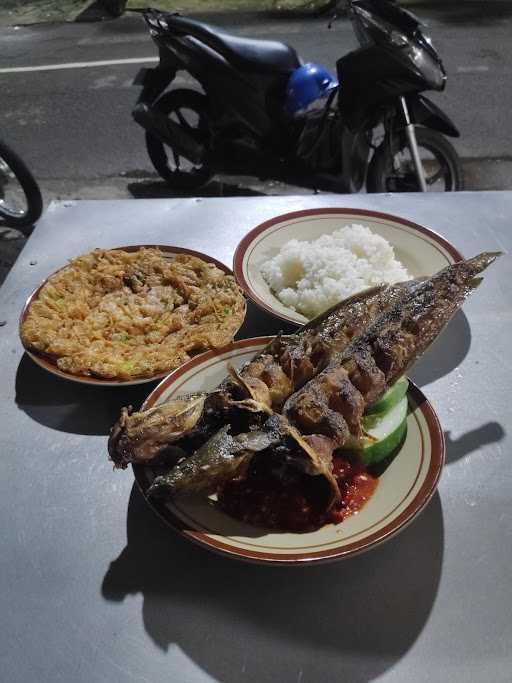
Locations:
(169, 132)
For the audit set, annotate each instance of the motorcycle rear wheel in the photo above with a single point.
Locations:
(188, 109)
(21, 203)
(391, 168)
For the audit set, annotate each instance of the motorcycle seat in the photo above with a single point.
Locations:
(245, 53)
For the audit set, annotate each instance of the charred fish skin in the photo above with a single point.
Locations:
(401, 336)
(383, 353)
(221, 458)
(287, 363)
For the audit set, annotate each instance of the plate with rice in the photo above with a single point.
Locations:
(299, 264)
(131, 314)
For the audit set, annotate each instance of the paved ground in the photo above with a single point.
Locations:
(73, 125)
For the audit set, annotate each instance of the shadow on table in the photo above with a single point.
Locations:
(82, 409)
(258, 323)
(492, 432)
(349, 620)
(445, 354)
(151, 189)
(69, 406)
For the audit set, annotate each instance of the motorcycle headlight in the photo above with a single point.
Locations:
(430, 68)
(425, 41)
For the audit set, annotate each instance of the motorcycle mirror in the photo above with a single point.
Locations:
(337, 5)
(340, 6)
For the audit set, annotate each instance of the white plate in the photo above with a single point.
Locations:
(403, 490)
(421, 251)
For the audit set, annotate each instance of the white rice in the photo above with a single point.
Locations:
(309, 277)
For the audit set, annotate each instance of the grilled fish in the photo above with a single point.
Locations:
(332, 403)
(289, 362)
(327, 411)
(260, 387)
(224, 457)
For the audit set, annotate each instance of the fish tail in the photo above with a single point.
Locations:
(482, 261)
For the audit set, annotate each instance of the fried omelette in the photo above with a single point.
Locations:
(132, 314)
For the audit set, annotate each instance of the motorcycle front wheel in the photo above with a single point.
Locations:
(186, 108)
(392, 170)
(21, 203)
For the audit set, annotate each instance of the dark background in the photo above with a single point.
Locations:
(74, 126)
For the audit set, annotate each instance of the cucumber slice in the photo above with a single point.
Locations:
(384, 433)
(392, 396)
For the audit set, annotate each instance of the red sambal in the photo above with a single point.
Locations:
(263, 499)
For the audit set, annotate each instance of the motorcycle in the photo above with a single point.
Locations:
(21, 203)
(263, 112)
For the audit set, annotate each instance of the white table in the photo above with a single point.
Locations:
(95, 588)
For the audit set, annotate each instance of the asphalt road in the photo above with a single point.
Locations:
(74, 128)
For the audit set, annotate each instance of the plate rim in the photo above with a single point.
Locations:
(397, 524)
(48, 363)
(244, 243)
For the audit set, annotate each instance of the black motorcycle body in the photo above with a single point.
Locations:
(374, 78)
(243, 96)
(243, 126)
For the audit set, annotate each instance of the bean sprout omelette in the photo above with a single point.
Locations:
(129, 315)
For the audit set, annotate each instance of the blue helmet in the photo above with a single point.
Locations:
(307, 84)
